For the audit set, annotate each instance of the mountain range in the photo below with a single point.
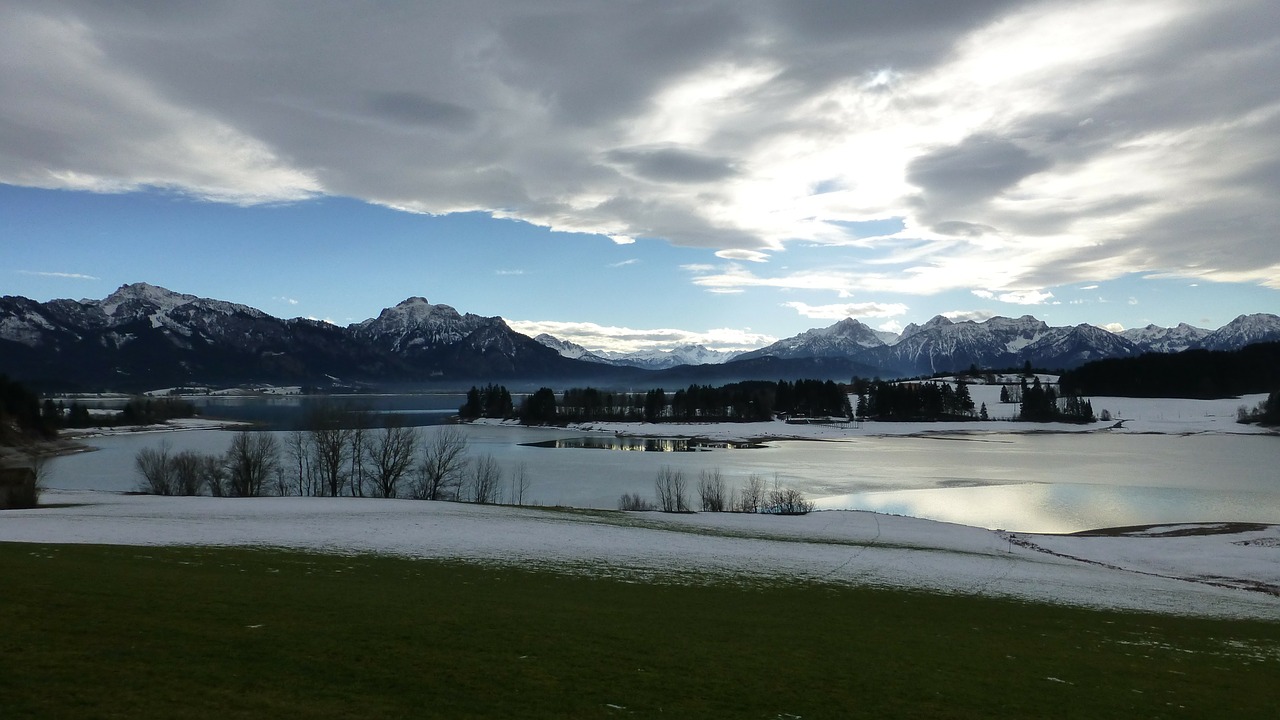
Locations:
(145, 337)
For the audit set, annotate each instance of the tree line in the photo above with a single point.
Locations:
(491, 401)
(339, 451)
(1202, 374)
(749, 401)
(914, 401)
(1041, 403)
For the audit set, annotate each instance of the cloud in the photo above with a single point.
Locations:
(624, 263)
(738, 254)
(848, 310)
(736, 277)
(506, 273)
(958, 178)
(1113, 327)
(61, 275)
(972, 315)
(288, 300)
(1017, 297)
(672, 164)
(892, 326)
(623, 339)
(1021, 144)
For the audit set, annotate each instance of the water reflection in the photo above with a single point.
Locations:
(636, 444)
(1064, 507)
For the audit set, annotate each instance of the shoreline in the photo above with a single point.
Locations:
(778, 431)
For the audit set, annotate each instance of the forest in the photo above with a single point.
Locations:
(1198, 374)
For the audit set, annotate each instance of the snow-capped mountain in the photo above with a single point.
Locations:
(143, 336)
(691, 354)
(571, 350)
(942, 344)
(846, 338)
(1244, 330)
(1154, 338)
(416, 324)
(1069, 347)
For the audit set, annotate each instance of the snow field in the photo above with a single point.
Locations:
(1180, 575)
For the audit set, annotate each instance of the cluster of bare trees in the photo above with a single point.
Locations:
(339, 453)
(672, 494)
(245, 470)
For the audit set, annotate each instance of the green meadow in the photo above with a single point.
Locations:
(197, 632)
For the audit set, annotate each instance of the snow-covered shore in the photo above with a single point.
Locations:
(1195, 574)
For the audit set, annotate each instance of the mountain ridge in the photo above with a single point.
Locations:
(144, 336)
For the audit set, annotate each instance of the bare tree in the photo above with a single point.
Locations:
(188, 473)
(251, 461)
(214, 471)
(39, 461)
(713, 491)
(752, 496)
(444, 456)
(359, 417)
(484, 481)
(634, 503)
(329, 447)
(519, 484)
(786, 501)
(673, 495)
(390, 454)
(156, 468)
(296, 447)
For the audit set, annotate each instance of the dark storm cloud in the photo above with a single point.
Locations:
(667, 164)
(418, 110)
(961, 176)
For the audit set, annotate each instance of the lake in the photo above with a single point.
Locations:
(1037, 482)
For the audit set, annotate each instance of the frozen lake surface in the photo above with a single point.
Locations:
(1031, 482)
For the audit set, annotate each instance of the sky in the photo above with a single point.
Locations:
(637, 175)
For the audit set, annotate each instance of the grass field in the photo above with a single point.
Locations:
(130, 632)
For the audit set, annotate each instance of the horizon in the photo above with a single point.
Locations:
(609, 352)
(634, 178)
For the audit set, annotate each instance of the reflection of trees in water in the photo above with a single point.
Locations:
(642, 444)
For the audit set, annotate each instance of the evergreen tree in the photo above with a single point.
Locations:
(539, 408)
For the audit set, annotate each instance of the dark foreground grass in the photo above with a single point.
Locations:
(218, 633)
